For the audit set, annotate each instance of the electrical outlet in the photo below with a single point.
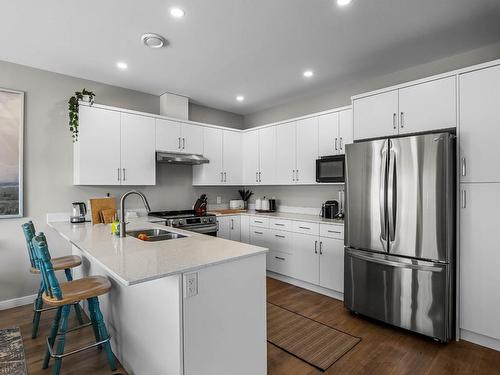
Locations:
(219, 200)
(191, 284)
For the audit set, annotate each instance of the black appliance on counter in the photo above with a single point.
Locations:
(330, 209)
(187, 220)
(330, 169)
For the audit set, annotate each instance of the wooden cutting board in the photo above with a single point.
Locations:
(99, 204)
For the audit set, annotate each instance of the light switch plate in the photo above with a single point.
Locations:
(219, 200)
(191, 284)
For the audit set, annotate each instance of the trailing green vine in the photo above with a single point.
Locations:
(73, 110)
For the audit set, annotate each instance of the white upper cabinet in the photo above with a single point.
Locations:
(178, 137)
(267, 155)
(376, 115)
(168, 135)
(192, 139)
(307, 150)
(346, 135)
(138, 161)
(250, 153)
(97, 151)
(328, 134)
(285, 153)
(210, 173)
(428, 106)
(480, 125)
(231, 162)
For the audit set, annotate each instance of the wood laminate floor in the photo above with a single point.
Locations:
(382, 350)
(89, 362)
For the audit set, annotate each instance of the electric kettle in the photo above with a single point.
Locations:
(79, 212)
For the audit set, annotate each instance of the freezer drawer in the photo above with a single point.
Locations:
(410, 294)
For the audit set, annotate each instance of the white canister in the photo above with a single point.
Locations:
(258, 204)
(265, 204)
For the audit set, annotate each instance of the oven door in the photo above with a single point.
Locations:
(330, 169)
(209, 230)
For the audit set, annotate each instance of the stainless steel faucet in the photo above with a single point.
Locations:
(123, 224)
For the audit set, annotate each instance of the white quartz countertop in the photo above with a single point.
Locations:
(132, 261)
(284, 215)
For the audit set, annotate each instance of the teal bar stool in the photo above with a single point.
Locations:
(65, 263)
(62, 296)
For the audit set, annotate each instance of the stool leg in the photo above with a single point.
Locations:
(95, 327)
(52, 336)
(103, 332)
(78, 311)
(36, 314)
(59, 344)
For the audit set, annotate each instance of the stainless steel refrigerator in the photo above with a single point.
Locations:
(400, 232)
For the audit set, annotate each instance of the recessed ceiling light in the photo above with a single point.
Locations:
(177, 12)
(343, 2)
(308, 73)
(240, 98)
(153, 40)
(121, 65)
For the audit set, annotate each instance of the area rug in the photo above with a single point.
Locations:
(313, 342)
(12, 360)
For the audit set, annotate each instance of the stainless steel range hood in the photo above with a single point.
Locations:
(180, 158)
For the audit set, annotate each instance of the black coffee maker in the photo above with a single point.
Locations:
(330, 209)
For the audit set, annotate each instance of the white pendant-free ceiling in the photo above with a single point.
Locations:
(224, 48)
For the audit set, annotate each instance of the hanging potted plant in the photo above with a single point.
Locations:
(85, 96)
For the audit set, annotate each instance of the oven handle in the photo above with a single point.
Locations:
(202, 228)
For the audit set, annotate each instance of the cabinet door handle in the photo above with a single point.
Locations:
(179, 143)
(124, 174)
(225, 177)
(296, 175)
(464, 198)
(315, 247)
(279, 258)
(334, 231)
(464, 167)
(320, 247)
(183, 143)
(305, 228)
(279, 224)
(232, 224)
(258, 233)
(260, 176)
(257, 221)
(279, 236)
(118, 174)
(222, 177)
(293, 174)
(336, 143)
(402, 124)
(256, 176)
(394, 120)
(340, 142)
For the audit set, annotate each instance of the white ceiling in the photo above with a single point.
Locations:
(257, 48)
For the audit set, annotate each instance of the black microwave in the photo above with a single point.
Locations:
(330, 168)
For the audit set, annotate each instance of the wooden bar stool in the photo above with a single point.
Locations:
(65, 263)
(62, 296)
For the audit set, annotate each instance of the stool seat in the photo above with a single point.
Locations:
(62, 263)
(77, 290)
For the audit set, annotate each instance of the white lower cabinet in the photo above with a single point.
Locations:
(331, 264)
(229, 227)
(280, 262)
(306, 260)
(245, 229)
(479, 259)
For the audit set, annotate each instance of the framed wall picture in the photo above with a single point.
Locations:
(11, 153)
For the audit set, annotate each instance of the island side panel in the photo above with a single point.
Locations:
(225, 323)
(144, 321)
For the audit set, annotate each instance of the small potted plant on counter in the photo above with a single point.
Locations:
(245, 195)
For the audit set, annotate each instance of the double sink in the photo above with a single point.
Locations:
(155, 234)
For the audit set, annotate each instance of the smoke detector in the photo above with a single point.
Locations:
(153, 40)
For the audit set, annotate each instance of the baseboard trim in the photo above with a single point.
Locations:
(306, 285)
(15, 302)
(479, 339)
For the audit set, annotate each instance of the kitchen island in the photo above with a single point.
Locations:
(192, 305)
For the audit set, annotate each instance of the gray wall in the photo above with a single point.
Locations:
(48, 165)
(209, 115)
(339, 94)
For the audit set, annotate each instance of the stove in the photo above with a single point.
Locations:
(187, 220)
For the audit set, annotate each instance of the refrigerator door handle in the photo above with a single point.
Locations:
(383, 197)
(392, 194)
(402, 263)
